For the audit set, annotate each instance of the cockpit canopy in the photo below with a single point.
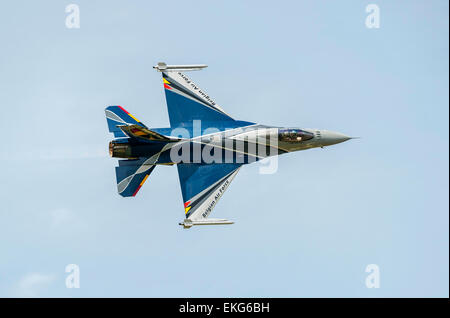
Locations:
(293, 135)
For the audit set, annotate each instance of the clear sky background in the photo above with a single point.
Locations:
(308, 230)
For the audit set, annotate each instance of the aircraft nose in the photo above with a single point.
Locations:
(329, 138)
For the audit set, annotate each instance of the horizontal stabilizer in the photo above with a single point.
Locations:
(131, 175)
(187, 223)
(139, 132)
(117, 116)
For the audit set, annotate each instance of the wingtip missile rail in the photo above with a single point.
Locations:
(188, 223)
(163, 67)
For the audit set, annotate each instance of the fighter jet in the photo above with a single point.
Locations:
(207, 145)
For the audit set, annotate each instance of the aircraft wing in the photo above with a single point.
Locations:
(185, 100)
(202, 185)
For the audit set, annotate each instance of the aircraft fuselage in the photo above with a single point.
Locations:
(243, 145)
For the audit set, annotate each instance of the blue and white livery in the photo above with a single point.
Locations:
(208, 145)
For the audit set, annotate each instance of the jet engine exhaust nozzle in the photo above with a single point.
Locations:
(120, 150)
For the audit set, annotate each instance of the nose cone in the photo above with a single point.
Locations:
(329, 138)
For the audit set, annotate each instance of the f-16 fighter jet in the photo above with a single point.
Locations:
(207, 145)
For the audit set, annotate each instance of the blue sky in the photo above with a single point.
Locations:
(308, 230)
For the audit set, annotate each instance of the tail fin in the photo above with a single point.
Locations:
(118, 116)
(131, 175)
